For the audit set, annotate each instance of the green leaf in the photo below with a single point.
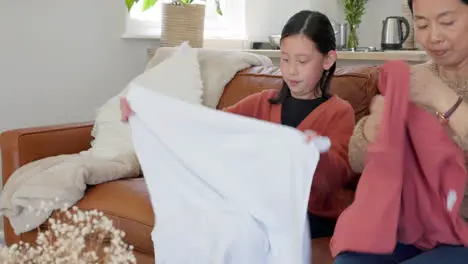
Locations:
(147, 4)
(218, 8)
(130, 3)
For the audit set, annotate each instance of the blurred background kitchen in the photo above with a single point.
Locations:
(384, 24)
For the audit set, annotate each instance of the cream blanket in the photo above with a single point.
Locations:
(38, 188)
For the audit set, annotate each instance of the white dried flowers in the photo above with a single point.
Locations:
(73, 236)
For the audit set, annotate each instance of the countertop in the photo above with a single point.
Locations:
(406, 55)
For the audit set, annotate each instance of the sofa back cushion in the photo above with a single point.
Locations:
(357, 85)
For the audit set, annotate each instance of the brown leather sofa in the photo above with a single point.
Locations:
(127, 201)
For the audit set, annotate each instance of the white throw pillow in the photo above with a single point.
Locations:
(177, 76)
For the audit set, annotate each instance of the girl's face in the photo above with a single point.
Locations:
(302, 65)
(441, 27)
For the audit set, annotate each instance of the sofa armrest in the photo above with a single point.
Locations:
(21, 146)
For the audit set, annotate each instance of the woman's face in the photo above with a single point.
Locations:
(441, 27)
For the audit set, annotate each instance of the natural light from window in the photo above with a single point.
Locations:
(231, 25)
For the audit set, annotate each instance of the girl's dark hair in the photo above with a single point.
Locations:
(410, 4)
(318, 28)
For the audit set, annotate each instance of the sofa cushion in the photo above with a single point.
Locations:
(250, 81)
(357, 85)
(127, 204)
(108, 128)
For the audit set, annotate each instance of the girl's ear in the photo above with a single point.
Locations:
(329, 60)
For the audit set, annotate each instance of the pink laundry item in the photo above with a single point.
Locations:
(413, 183)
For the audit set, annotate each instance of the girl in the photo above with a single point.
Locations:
(307, 65)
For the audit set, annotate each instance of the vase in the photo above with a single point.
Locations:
(182, 22)
(353, 40)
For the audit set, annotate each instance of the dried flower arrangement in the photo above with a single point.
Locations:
(73, 236)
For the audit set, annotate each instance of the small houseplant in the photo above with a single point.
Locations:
(354, 10)
(147, 4)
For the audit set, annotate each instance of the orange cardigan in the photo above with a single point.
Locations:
(334, 119)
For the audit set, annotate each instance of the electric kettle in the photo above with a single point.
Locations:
(392, 32)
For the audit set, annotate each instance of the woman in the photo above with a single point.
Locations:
(439, 86)
(307, 64)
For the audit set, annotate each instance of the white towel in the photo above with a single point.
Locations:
(224, 188)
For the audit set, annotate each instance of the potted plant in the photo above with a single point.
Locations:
(147, 4)
(182, 20)
(354, 10)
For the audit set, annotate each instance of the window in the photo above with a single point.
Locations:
(231, 25)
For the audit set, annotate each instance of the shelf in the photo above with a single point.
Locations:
(405, 55)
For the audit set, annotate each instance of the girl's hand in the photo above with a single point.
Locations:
(125, 109)
(309, 135)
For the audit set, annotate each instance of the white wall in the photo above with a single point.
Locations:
(371, 27)
(61, 59)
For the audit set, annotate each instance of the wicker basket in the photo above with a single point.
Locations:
(410, 41)
(182, 23)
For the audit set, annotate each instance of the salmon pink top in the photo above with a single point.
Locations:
(413, 183)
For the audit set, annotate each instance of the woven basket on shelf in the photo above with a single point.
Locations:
(182, 23)
(410, 41)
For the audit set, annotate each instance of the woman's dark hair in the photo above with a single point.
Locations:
(318, 28)
(410, 4)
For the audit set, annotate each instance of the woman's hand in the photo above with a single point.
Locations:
(125, 109)
(372, 124)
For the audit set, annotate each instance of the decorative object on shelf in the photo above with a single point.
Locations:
(182, 20)
(410, 41)
(342, 36)
(354, 10)
(275, 41)
(73, 236)
(395, 31)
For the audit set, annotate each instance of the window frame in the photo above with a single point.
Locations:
(229, 26)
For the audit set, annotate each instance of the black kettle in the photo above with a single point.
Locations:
(392, 32)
